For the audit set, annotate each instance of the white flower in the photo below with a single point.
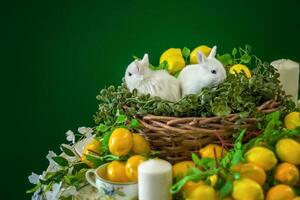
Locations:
(53, 167)
(70, 191)
(34, 178)
(70, 136)
(49, 157)
(54, 193)
(86, 131)
(37, 195)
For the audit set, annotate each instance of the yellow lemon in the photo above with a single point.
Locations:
(262, 157)
(202, 192)
(170, 52)
(204, 49)
(239, 68)
(212, 151)
(226, 198)
(180, 169)
(85, 160)
(288, 150)
(174, 58)
(120, 142)
(94, 147)
(280, 192)
(247, 189)
(292, 120)
(131, 167)
(190, 186)
(140, 145)
(287, 173)
(116, 172)
(253, 172)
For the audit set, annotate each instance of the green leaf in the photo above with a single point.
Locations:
(35, 188)
(186, 52)
(226, 189)
(220, 108)
(204, 162)
(196, 159)
(245, 58)
(234, 51)
(163, 65)
(237, 157)
(236, 175)
(67, 150)
(79, 166)
(135, 57)
(134, 123)
(105, 141)
(177, 74)
(121, 119)
(60, 160)
(225, 59)
(196, 175)
(102, 128)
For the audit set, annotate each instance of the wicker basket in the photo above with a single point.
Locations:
(177, 138)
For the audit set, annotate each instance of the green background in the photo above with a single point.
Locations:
(57, 55)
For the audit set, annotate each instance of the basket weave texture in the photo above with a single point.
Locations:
(177, 138)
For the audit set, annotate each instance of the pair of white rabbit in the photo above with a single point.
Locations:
(192, 79)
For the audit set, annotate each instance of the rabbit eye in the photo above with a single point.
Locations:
(213, 71)
(129, 73)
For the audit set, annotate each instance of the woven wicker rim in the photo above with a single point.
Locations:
(178, 137)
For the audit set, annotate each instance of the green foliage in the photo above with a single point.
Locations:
(60, 160)
(186, 53)
(240, 55)
(272, 132)
(67, 150)
(194, 174)
(226, 189)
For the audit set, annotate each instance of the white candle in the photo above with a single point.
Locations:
(155, 180)
(289, 76)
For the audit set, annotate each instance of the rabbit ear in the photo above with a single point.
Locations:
(201, 58)
(213, 52)
(145, 60)
(143, 64)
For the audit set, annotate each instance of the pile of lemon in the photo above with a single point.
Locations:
(281, 165)
(121, 143)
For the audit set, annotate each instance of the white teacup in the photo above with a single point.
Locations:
(111, 190)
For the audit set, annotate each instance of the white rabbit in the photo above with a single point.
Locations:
(209, 72)
(157, 83)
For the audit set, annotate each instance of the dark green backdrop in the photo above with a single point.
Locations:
(57, 55)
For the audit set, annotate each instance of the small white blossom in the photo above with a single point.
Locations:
(69, 191)
(34, 178)
(37, 195)
(54, 193)
(50, 155)
(86, 131)
(70, 136)
(53, 167)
